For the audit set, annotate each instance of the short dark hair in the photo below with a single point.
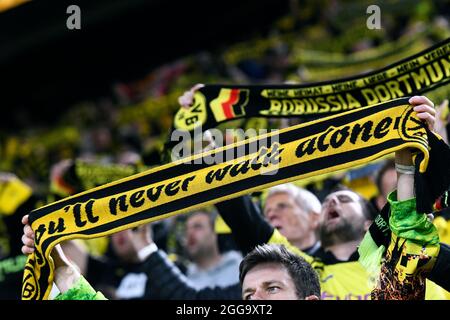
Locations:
(211, 214)
(303, 275)
(369, 210)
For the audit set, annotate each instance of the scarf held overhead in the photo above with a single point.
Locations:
(214, 104)
(333, 143)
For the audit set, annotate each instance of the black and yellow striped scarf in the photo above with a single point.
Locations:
(336, 142)
(215, 104)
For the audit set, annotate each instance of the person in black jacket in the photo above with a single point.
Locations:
(163, 279)
(269, 272)
(339, 245)
(440, 274)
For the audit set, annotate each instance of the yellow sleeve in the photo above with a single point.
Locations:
(278, 238)
(435, 292)
(443, 227)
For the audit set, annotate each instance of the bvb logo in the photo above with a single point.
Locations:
(30, 288)
(188, 119)
(412, 128)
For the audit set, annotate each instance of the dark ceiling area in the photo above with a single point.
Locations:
(44, 67)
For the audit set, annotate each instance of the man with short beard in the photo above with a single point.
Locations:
(345, 218)
(209, 267)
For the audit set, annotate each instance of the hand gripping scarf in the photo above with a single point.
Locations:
(215, 104)
(400, 254)
(336, 142)
(400, 249)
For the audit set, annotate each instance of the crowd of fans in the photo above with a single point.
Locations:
(197, 256)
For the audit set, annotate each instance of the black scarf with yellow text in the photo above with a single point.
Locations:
(336, 142)
(215, 104)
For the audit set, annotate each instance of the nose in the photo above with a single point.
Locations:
(258, 295)
(271, 214)
(190, 234)
(188, 237)
(330, 201)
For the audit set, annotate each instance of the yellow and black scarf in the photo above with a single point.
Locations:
(215, 104)
(336, 142)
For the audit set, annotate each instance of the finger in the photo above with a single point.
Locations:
(28, 231)
(27, 241)
(186, 99)
(425, 108)
(425, 116)
(182, 101)
(420, 100)
(429, 119)
(27, 250)
(25, 219)
(427, 113)
(197, 86)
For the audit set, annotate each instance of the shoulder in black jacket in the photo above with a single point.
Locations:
(167, 282)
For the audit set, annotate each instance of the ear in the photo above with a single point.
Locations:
(367, 224)
(312, 297)
(380, 201)
(315, 219)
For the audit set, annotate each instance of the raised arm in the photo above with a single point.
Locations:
(403, 158)
(246, 221)
(414, 242)
(166, 280)
(67, 278)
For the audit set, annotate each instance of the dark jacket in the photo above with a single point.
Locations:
(167, 282)
(441, 271)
